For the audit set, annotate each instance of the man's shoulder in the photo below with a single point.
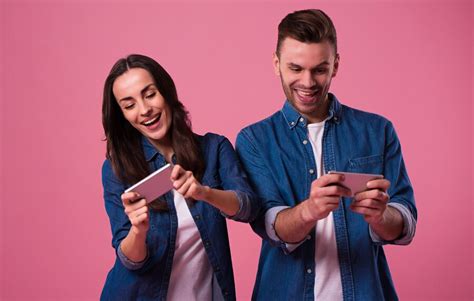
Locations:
(264, 124)
(357, 115)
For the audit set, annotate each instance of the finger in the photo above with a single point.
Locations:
(369, 203)
(322, 201)
(130, 196)
(176, 172)
(184, 188)
(142, 218)
(365, 211)
(135, 206)
(179, 182)
(331, 190)
(376, 194)
(328, 179)
(139, 211)
(326, 209)
(192, 191)
(382, 184)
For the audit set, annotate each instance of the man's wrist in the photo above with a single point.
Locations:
(305, 213)
(387, 220)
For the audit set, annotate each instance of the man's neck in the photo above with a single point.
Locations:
(319, 115)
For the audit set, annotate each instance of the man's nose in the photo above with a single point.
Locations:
(307, 79)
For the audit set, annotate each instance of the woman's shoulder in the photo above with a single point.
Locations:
(108, 173)
(211, 138)
(213, 144)
(106, 167)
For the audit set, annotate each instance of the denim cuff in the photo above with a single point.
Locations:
(243, 214)
(129, 264)
(409, 227)
(270, 218)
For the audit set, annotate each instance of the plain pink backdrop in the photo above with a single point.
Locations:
(410, 61)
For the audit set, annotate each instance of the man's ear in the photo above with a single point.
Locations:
(276, 64)
(336, 65)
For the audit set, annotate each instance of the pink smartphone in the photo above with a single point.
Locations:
(154, 185)
(356, 182)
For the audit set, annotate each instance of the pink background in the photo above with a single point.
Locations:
(410, 61)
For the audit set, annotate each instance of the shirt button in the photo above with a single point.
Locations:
(308, 271)
(311, 171)
(301, 119)
(292, 123)
(305, 142)
(197, 217)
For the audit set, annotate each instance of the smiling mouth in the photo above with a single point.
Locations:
(152, 121)
(306, 95)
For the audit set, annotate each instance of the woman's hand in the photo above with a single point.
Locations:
(186, 184)
(137, 211)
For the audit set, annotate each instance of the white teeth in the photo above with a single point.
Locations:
(151, 121)
(303, 93)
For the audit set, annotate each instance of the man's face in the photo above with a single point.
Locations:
(306, 71)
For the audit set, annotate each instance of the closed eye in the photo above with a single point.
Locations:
(129, 106)
(321, 71)
(151, 95)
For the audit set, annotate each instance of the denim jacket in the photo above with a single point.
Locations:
(150, 280)
(281, 167)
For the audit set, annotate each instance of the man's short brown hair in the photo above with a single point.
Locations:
(308, 26)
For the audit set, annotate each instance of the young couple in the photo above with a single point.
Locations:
(318, 241)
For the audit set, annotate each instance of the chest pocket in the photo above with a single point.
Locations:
(370, 164)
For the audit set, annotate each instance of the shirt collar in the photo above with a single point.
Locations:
(294, 118)
(151, 152)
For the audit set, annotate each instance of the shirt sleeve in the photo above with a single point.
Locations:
(400, 191)
(245, 207)
(234, 178)
(262, 181)
(129, 264)
(113, 188)
(270, 217)
(409, 227)
(119, 222)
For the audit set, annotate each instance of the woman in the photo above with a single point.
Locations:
(176, 248)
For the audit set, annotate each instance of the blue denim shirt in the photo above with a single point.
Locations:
(150, 280)
(281, 167)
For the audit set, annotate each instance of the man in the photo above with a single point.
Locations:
(318, 241)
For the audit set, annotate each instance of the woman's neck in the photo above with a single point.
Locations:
(164, 147)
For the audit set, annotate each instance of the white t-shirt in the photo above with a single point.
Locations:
(327, 285)
(191, 273)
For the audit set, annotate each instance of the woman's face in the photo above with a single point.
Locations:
(143, 105)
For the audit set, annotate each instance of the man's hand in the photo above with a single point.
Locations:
(372, 203)
(324, 197)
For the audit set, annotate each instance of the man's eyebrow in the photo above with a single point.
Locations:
(294, 65)
(142, 91)
(325, 63)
